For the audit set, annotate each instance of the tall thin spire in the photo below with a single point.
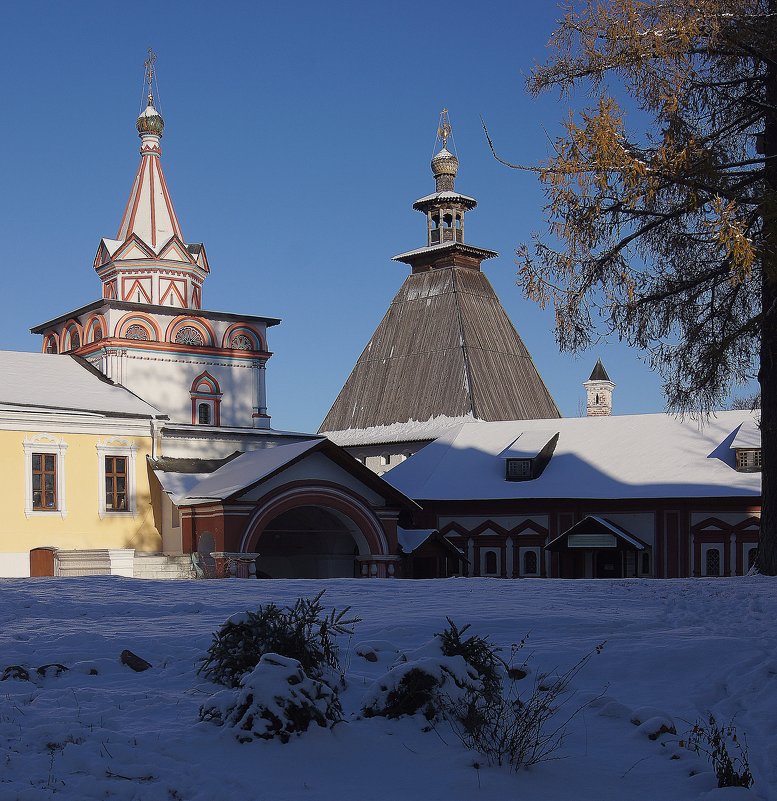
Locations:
(149, 64)
(149, 213)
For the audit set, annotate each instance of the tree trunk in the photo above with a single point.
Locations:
(767, 375)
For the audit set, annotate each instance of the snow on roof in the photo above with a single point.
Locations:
(112, 245)
(446, 196)
(749, 434)
(177, 485)
(619, 532)
(247, 469)
(486, 254)
(56, 381)
(628, 456)
(412, 539)
(528, 444)
(410, 431)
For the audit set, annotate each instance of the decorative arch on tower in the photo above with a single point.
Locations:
(51, 343)
(72, 336)
(188, 331)
(242, 337)
(95, 329)
(206, 400)
(136, 325)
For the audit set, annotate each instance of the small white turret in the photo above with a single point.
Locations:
(599, 392)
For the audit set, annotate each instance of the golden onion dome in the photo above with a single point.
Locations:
(445, 163)
(150, 120)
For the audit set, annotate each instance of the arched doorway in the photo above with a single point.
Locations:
(310, 542)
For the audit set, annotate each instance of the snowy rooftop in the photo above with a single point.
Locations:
(629, 456)
(411, 431)
(443, 246)
(748, 436)
(247, 469)
(178, 485)
(528, 444)
(52, 381)
(410, 539)
(455, 196)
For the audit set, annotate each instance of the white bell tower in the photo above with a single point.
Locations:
(599, 392)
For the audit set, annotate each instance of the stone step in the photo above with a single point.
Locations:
(160, 566)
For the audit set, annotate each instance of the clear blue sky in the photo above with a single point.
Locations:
(297, 137)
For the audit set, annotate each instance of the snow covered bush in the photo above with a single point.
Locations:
(461, 680)
(276, 699)
(303, 632)
(445, 677)
(716, 742)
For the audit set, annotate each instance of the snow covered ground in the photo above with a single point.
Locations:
(102, 731)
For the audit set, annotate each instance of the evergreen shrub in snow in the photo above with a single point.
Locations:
(302, 632)
(461, 680)
(275, 699)
(443, 678)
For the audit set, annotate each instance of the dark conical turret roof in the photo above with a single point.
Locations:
(445, 347)
(599, 373)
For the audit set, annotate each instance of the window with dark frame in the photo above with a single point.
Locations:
(491, 563)
(115, 483)
(713, 562)
(203, 414)
(530, 562)
(44, 482)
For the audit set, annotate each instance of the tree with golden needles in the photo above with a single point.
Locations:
(667, 237)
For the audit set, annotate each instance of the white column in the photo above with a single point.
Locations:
(260, 395)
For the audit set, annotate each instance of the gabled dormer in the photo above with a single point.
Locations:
(528, 455)
(747, 447)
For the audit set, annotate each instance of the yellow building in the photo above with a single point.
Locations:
(74, 452)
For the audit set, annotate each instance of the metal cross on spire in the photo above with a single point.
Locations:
(444, 129)
(149, 64)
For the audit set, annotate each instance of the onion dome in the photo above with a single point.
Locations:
(445, 163)
(150, 120)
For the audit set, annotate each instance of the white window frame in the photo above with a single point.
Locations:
(44, 443)
(483, 552)
(536, 552)
(746, 546)
(705, 549)
(116, 447)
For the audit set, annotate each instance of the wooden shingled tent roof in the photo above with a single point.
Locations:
(445, 347)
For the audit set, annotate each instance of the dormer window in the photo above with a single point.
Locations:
(749, 460)
(518, 469)
(747, 447)
(528, 455)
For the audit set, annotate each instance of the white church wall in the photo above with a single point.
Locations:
(165, 382)
(15, 565)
